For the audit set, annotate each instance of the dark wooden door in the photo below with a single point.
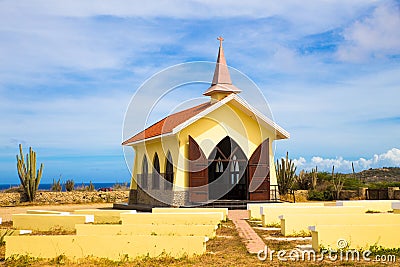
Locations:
(198, 173)
(258, 171)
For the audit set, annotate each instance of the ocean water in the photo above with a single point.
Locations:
(48, 186)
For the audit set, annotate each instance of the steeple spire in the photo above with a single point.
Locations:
(221, 85)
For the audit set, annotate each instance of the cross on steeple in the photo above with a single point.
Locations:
(221, 84)
(220, 40)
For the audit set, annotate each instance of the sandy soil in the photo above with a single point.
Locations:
(6, 212)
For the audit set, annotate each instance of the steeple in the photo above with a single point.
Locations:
(221, 85)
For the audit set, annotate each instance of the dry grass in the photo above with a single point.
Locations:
(227, 249)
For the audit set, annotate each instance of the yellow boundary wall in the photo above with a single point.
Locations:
(254, 209)
(47, 212)
(104, 216)
(147, 229)
(111, 247)
(224, 211)
(198, 218)
(356, 236)
(292, 224)
(374, 205)
(271, 215)
(48, 222)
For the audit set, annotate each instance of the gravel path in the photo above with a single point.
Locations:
(6, 212)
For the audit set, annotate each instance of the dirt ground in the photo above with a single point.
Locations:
(6, 212)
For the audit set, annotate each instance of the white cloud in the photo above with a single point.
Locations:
(376, 36)
(391, 158)
(299, 10)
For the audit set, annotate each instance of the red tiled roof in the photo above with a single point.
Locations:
(167, 124)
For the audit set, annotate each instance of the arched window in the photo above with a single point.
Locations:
(156, 172)
(219, 167)
(169, 172)
(145, 173)
(234, 170)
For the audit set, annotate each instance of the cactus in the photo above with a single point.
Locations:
(285, 172)
(56, 186)
(29, 177)
(337, 182)
(314, 176)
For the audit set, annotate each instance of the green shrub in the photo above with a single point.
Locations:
(315, 195)
(56, 186)
(325, 195)
(121, 186)
(90, 187)
(302, 181)
(351, 183)
(69, 185)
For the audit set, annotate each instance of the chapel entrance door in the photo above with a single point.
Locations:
(198, 173)
(259, 174)
(227, 177)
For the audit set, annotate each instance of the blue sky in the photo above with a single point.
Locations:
(330, 71)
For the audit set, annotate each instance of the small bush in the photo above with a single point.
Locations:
(302, 181)
(90, 187)
(315, 195)
(69, 185)
(379, 250)
(351, 183)
(120, 186)
(56, 186)
(14, 189)
(83, 187)
(325, 195)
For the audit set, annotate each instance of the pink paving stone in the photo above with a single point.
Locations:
(253, 242)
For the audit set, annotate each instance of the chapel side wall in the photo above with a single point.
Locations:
(177, 196)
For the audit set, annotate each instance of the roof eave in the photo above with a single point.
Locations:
(148, 139)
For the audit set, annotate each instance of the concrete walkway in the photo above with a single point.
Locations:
(253, 242)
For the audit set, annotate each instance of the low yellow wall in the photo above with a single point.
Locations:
(356, 236)
(396, 207)
(147, 229)
(46, 212)
(104, 216)
(111, 247)
(254, 209)
(292, 224)
(47, 222)
(375, 205)
(224, 211)
(213, 218)
(271, 215)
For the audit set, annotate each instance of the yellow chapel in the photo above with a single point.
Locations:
(218, 150)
